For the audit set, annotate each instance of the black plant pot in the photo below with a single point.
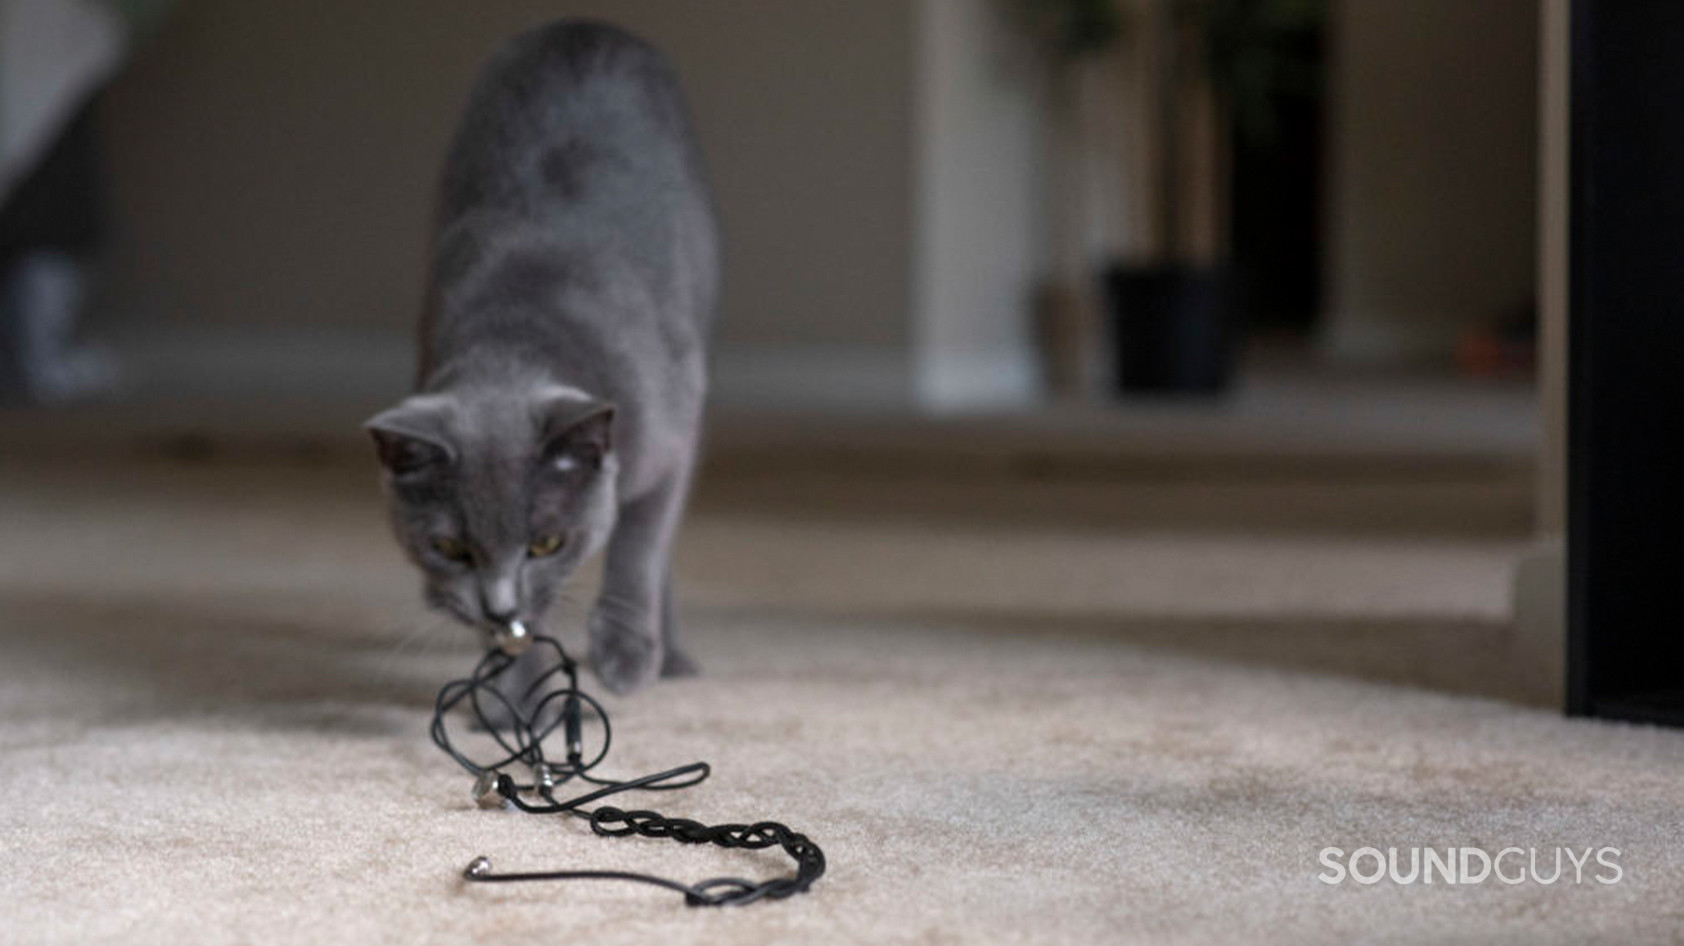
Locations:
(1173, 328)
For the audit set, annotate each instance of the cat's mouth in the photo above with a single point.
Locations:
(512, 636)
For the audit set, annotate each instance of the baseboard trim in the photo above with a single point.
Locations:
(810, 377)
(241, 364)
(1389, 339)
(989, 380)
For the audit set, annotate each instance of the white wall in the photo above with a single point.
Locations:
(1433, 138)
(272, 168)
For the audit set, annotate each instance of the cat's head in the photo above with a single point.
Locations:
(498, 496)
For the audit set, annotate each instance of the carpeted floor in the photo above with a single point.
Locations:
(1082, 709)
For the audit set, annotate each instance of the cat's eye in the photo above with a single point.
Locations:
(546, 546)
(453, 549)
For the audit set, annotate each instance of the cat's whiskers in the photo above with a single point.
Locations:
(427, 636)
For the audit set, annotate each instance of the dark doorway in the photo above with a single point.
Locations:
(1276, 225)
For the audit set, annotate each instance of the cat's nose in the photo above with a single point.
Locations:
(498, 601)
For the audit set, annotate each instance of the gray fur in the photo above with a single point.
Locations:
(563, 341)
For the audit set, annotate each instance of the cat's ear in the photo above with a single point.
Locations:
(412, 438)
(577, 432)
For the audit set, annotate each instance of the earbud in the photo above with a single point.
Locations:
(495, 789)
(513, 639)
(488, 790)
(543, 777)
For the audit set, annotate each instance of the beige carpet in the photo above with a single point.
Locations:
(1004, 724)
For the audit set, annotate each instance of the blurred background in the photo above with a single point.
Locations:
(923, 201)
(1255, 272)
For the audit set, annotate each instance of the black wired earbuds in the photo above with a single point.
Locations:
(523, 748)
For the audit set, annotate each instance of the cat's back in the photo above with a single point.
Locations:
(575, 236)
(568, 113)
(573, 202)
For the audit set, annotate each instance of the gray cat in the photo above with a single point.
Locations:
(563, 342)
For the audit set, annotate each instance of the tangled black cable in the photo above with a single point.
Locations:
(522, 740)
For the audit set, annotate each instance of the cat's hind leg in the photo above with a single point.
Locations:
(676, 662)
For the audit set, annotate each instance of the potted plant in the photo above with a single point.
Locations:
(1212, 69)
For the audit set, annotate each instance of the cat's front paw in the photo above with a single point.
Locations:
(678, 664)
(626, 657)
